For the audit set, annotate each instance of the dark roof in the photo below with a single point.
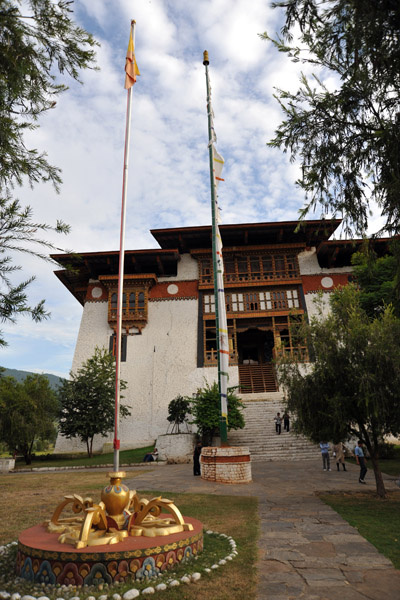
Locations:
(311, 233)
(79, 268)
(338, 253)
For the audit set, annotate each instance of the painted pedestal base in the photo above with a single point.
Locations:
(42, 559)
(226, 465)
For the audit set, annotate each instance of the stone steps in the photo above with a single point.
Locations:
(259, 432)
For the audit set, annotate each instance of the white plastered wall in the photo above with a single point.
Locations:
(308, 265)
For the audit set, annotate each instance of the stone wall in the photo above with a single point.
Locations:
(226, 465)
(176, 448)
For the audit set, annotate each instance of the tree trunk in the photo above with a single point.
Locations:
(380, 486)
(88, 448)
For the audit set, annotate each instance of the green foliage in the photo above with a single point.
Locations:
(38, 41)
(206, 411)
(87, 400)
(345, 134)
(378, 279)
(353, 386)
(27, 413)
(178, 409)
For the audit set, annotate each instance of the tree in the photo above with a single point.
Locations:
(87, 400)
(378, 279)
(353, 386)
(346, 138)
(28, 411)
(38, 40)
(206, 411)
(178, 409)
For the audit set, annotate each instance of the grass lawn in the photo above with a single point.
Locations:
(377, 520)
(29, 498)
(126, 457)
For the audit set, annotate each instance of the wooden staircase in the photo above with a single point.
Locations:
(257, 378)
(259, 432)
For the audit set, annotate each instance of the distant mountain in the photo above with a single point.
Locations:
(20, 375)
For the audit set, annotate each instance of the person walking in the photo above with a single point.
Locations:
(325, 447)
(278, 423)
(286, 422)
(196, 459)
(339, 453)
(360, 458)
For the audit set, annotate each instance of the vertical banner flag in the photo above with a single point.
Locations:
(221, 321)
(131, 68)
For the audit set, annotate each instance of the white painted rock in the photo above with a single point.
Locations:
(196, 576)
(222, 562)
(103, 597)
(161, 587)
(116, 597)
(16, 596)
(185, 579)
(46, 598)
(27, 597)
(207, 570)
(215, 566)
(88, 598)
(130, 594)
(148, 590)
(4, 595)
(174, 583)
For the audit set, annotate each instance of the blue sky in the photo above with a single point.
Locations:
(168, 174)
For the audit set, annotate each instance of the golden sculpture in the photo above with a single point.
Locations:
(119, 514)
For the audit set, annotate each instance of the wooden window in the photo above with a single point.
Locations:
(292, 299)
(113, 346)
(254, 301)
(252, 267)
(209, 303)
(141, 301)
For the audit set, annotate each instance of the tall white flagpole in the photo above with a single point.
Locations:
(117, 442)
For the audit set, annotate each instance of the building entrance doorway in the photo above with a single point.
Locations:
(255, 352)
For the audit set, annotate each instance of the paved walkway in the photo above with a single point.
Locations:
(306, 551)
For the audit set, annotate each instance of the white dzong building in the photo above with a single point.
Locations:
(273, 272)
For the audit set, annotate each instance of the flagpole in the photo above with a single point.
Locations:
(215, 231)
(117, 442)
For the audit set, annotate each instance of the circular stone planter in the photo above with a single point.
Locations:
(42, 559)
(226, 465)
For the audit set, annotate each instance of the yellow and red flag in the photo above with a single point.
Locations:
(131, 68)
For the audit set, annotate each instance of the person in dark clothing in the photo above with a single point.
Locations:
(360, 458)
(196, 459)
(286, 422)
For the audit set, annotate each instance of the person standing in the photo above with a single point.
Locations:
(196, 459)
(286, 422)
(278, 423)
(338, 453)
(360, 458)
(325, 447)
